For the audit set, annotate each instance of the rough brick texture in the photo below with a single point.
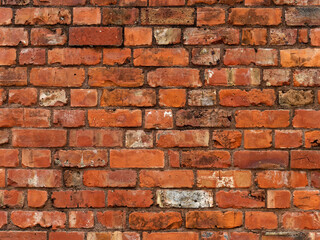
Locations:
(160, 120)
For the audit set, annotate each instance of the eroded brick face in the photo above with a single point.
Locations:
(160, 120)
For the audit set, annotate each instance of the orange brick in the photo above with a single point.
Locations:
(172, 97)
(137, 36)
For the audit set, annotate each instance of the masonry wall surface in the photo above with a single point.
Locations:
(159, 119)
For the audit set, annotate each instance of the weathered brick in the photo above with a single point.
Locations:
(155, 220)
(296, 97)
(36, 158)
(307, 200)
(137, 36)
(257, 139)
(83, 97)
(13, 76)
(255, 16)
(207, 16)
(42, 16)
(8, 56)
(280, 179)
(51, 98)
(300, 220)
(205, 159)
(276, 77)
(166, 179)
(139, 139)
(68, 118)
(120, 16)
(261, 220)
(116, 56)
(48, 37)
(226, 139)
(160, 57)
(104, 178)
(283, 36)
(240, 199)
(106, 36)
(261, 159)
(66, 235)
(224, 179)
(254, 36)
(306, 118)
(112, 219)
(158, 119)
(205, 56)
(6, 15)
(127, 158)
(305, 159)
(86, 15)
(184, 198)
(37, 198)
(74, 56)
(213, 219)
(34, 56)
(302, 16)
(278, 199)
(81, 219)
(203, 97)
(166, 36)
(307, 57)
(167, 16)
(130, 198)
(34, 235)
(169, 235)
(172, 97)
(287, 139)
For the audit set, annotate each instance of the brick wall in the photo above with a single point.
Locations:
(159, 119)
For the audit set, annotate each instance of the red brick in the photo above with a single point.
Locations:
(167, 16)
(13, 76)
(120, 16)
(155, 220)
(116, 56)
(307, 200)
(83, 97)
(48, 37)
(174, 160)
(232, 77)
(36, 158)
(203, 36)
(240, 199)
(103, 2)
(37, 198)
(139, 139)
(303, 35)
(239, 56)
(23, 235)
(174, 77)
(8, 56)
(81, 219)
(279, 199)
(244, 236)
(280, 179)
(130, 198)
(194, 2)
(9, 157)
(72, 178)
(160, 57)
(25, 97)
(255, 16)
(315, 179)
(159, 119)
(287, 139)
(104, 178)
(29, 219)
(111, 36)
(59, 3)
(170, 235)
(86, 16)
(240, 98)
(137, 36)
(112, 219)
(39, 138)
(302, 16)
(33, 56)
(224, 179)
(226, 139)
(3, 96)
(6, 16)
(300, 221)
(267, 57)
(261, 220)
(167, 2)
(306, 119)
(257, 2)
(95, 138)
(34, 178)
(207, 16)
(116, 118)
(305, 159)
(261, 159)
(2, 177)
(213, 219)
(187, 138)
(254, 36)
(13, 36)
(81, 158)
(69, 118)
(42, 16)
(257, 139)
(205, 159)
(3, 219)
(127, 158)
(306, 57)
(120, 77)
(57, 77)
(267, 118)
(66, 235)
(166, 179)
(276, 77)
(128, 97)
(11, 199)
(133, 3)
(283, 36)
(172, 97)
(74, 56)
(205, 56)
(78, 199)
(312, 139)
(113, 235)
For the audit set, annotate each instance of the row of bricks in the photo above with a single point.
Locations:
(154, 158)
(206, 56)
(157, 3)
(175, 98)
(153, 119)
(205, 16)
(236, 199)
(204, 235)
(228, 139)
(161, 77)
(253, 220)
